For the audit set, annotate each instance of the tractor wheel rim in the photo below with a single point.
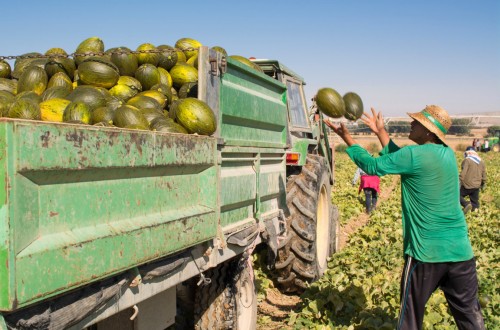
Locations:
(322, 230)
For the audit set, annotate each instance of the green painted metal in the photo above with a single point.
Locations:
(311, 135)
(253, 182)
(252, 112)
(81, 203)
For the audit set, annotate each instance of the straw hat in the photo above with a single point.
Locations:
(435, 119)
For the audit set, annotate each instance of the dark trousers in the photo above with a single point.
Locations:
(458, 280)
(370, 199)
(473, 196)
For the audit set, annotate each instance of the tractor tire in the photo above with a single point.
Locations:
(496, 147)
(229, 301)
(312, 227)
(184, 318)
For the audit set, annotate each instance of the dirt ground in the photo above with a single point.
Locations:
(277, 306)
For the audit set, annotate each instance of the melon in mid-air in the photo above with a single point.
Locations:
(353, 106)
(330, 102)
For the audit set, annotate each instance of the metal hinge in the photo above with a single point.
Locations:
(218, 66)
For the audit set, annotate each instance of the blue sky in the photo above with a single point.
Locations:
(397, 55)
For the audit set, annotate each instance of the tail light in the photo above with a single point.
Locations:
(292, 158)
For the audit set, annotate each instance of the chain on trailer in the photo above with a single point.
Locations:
(94, 54)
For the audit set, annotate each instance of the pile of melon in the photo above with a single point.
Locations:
(149, 88)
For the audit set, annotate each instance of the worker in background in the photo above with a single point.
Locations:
(472, 178)
(486, 145)
(478, 145)
(370, 184)
(436, 245)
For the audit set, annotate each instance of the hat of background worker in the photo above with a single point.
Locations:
(435, 119)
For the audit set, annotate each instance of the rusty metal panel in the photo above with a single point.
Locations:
(81, 203)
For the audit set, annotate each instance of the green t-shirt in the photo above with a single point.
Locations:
(434, 227)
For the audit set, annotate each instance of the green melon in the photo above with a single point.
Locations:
(105, 92)
(188, 46)
(103, 115)
(195, 116)
(247, 62)
(59, 63)
(353, 106)
(165, 90)
(148, 75)
(87, 47)
(8, 85)
(130, 82)
(89, 95)
(104, 124)
(123, 92)
(126, 62)
(168, 58)
(128, 115)
(157, 95)
(22, 63)
(56, 51)
(167, 126)
(145, 57)
(5, 69)
(114, 103)
(144, 102)
(181, 57)
(220, 50)
(26, 58)
(138, 127)
(159, 120)
(98, 72)
(33, 79)
(77, 112)
(24, 109)
(330, 102)
(188, 90)
(193, 61)
(6, 99)
(55, 92)
(152, 114)
(60, 79)
(53, 109)
(165, 77)
(182, 74)
(29, 95)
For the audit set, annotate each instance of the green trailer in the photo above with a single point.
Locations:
(112, 228)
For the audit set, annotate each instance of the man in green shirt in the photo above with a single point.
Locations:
(436, 245)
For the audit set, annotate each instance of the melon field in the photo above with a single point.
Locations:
(360, 289)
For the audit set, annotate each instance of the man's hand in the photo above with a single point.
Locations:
(341, 131)
(483, 186)
(374, 122)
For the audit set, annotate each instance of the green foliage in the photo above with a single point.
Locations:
(460, 126)
(373, 148)
(461, 147)
(341, 147)
(345, 195)
(399, 127)
(493, 131)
